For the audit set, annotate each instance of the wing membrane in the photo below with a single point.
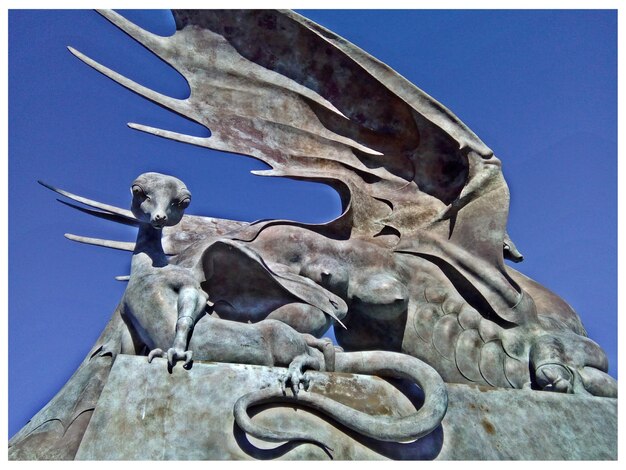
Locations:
(278, 87)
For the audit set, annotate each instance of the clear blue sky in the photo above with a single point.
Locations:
(538, 87)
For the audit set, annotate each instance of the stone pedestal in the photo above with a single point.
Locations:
(147, 413)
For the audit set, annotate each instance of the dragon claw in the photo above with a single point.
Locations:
(295, 379)
(173, 356)
(305, 380)
(555, 378)
(294, 382)
(155, 353)
(286, 380)
(188, 359)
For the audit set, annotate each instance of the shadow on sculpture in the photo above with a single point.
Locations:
(425, 448)
(413, 270)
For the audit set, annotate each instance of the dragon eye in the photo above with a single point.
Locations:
(139, 192)
(184, 203)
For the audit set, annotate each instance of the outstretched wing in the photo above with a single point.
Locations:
(278, 87)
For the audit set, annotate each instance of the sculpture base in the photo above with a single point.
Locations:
(147, 413)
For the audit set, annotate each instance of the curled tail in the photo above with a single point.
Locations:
(384, 428)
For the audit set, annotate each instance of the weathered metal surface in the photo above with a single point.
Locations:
(486, 423)
(415, 263)
(425, 206)
(145, 413)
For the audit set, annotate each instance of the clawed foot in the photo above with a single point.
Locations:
(564, 362)
(173, 356)
(295, 378)
(555, 378)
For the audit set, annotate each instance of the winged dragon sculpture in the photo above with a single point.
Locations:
(414, 264)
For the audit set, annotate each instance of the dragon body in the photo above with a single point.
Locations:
(413, 265)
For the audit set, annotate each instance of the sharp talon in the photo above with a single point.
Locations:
(306, 381)
(282, 381)
(154, 353)
(188, 359)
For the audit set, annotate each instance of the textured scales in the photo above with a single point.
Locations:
(382, 159)
(416, 260)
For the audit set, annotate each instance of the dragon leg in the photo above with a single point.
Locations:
(191, 304)
(570, 363)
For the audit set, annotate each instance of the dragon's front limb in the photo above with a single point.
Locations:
(191, 303)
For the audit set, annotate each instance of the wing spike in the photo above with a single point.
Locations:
(185, 138)
(163, 100)
(90, 202)
(149, 40)
(116, 245)
(103, 215)
(266, 172)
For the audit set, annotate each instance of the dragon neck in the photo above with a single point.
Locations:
(148, 249)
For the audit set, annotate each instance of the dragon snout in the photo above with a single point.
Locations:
(159, 219)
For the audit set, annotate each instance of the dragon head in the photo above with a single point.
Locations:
(159, 200)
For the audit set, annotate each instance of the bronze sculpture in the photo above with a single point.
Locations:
(422, 236)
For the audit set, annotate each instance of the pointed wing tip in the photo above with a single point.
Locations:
(76, 53)
(176, 136)
(137, 126)
(113, 244)
(45, 185)
(49, 186)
